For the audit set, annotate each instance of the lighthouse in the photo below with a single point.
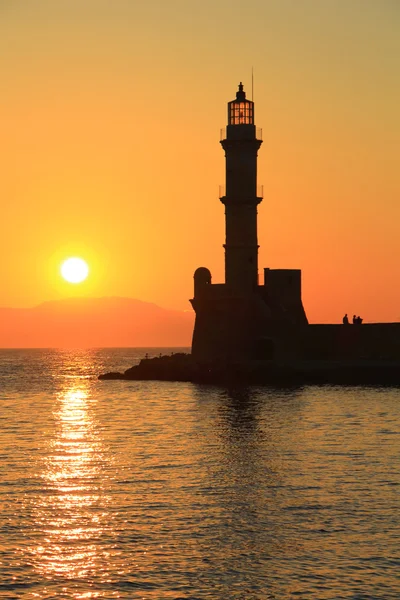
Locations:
(241, 320)
(240, 196)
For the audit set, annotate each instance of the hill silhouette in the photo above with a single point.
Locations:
(94, 322)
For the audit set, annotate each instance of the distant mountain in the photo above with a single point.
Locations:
(94, 322)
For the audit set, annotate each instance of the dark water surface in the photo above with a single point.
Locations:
(158, 490)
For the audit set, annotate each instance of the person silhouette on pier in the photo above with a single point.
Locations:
(346, 320)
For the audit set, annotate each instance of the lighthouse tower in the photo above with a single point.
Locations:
(240, 197)
(240, 319)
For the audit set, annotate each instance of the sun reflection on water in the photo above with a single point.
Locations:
(73, 512)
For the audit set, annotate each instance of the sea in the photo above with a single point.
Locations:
(153, 490)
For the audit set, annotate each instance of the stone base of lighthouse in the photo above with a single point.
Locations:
(263, 324)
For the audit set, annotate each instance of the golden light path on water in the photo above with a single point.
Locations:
(74, 514)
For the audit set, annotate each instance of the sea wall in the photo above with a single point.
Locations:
(370, 341)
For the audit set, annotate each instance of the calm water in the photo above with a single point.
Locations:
(168, 490)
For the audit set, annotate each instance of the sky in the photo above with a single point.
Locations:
(110, 118)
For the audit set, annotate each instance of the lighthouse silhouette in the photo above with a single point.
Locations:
(240, 195)
(240, 319)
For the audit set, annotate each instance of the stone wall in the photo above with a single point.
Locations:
(372, 341)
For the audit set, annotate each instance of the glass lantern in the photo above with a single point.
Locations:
(241, 111)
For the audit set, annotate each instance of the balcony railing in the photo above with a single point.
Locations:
(259, 191)
(223, 133)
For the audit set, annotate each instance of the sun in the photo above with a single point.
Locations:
(74, 270)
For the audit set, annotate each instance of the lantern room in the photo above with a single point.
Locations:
(241, 111)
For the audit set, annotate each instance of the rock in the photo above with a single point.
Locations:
(112, 375)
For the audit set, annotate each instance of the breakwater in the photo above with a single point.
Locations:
(182, 367)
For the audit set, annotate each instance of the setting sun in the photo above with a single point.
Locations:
(74, 270)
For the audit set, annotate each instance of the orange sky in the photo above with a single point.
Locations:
(110, 113)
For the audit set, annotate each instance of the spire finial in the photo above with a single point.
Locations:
(240, 94)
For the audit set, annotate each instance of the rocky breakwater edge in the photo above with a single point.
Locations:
(183, 367)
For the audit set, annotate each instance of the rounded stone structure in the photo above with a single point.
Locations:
(202, 279)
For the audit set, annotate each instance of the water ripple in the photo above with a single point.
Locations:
(163, 490)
